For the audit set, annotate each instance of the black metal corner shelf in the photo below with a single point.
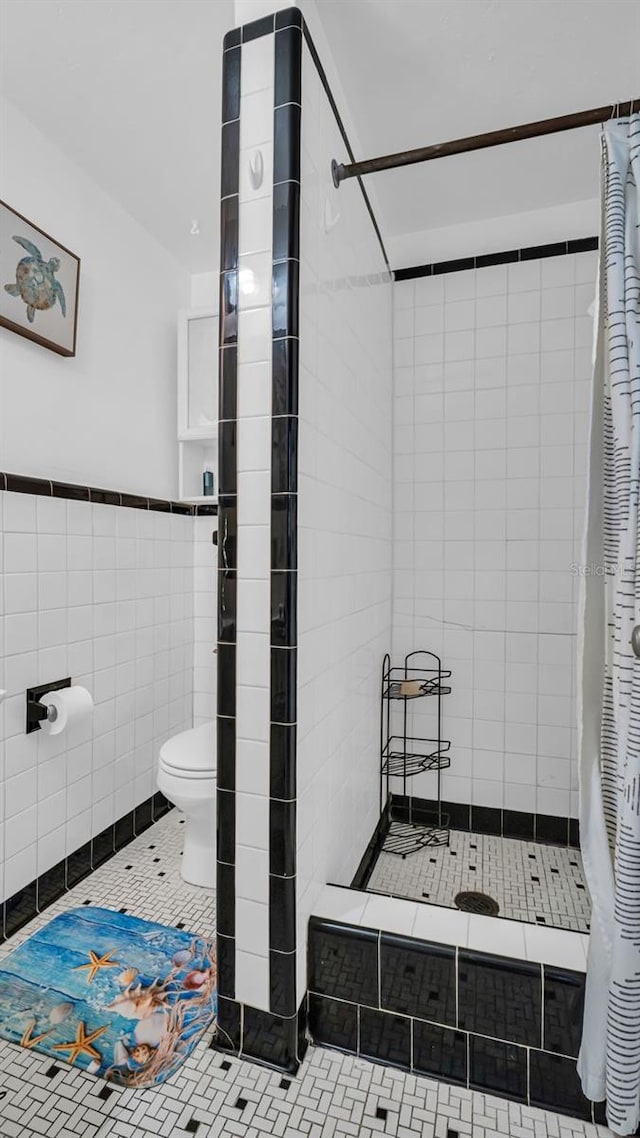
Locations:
(404, 755)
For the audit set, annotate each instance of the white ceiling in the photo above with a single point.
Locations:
(131, 90)
(426, 71)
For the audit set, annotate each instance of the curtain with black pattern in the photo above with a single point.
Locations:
(609, 714)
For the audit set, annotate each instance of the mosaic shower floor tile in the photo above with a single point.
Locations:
(530, 881)
(119, 997)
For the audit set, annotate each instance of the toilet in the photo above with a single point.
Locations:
(187, 777)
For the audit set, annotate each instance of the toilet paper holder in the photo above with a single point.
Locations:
(37, 711)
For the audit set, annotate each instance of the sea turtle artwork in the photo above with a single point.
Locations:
(35, 281)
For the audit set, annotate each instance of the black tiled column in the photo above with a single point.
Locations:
(227, 535)
(284, 533)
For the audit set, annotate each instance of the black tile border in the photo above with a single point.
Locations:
(373, 850)
(345, 958)
(508, 257)
(547, 829)
(257, 28)
(285, 223)
(273, 1040)
(38, 895)
(227, 528)
(47, 488)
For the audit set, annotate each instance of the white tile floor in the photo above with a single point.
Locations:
(332, 1096)
(532, 882)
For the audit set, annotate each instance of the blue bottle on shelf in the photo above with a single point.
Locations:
(207, 482)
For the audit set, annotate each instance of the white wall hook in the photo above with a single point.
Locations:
(330, 219)
(256, 169)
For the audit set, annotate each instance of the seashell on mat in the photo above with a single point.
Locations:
(127, 977)
(60, 1012)
(151, 1030)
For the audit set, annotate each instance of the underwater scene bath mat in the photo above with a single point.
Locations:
(119, 997)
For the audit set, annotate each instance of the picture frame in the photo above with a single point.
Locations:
(39, 284)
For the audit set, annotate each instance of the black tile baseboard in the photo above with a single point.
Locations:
(554, 1084)
(545, 828)
(335, 1021)
(497, 1024)
(47, 488)
(498, 1067)
(385, 1037)
(440, 1052)
(509, 256)
(39, 894)
(264, 1037)
(374, 848)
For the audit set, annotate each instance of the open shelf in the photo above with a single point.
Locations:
(194, 456)
(197, 391)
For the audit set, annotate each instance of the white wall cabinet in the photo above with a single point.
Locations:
(197, 402)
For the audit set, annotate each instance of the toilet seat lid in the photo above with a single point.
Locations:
(191, 752)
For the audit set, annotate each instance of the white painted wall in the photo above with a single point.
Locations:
(491, 384)
(344, 513)
(108, 416)
(315, 14)
(204, 290)
(496, 234)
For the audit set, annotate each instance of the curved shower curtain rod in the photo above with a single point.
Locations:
(341, 171)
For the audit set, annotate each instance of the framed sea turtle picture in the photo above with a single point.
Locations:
(39, 280)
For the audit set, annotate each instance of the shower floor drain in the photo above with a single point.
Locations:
(477, 903)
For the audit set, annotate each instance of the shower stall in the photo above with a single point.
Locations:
(402, 470)
(492, 370)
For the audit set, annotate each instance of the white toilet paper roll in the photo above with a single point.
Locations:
(73, 705)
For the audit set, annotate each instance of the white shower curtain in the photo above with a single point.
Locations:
(609, 715)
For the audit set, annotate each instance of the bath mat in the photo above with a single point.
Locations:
(122, 998)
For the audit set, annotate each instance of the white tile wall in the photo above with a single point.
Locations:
(344, 512)
(491, 382)
(103, 594)
(253, 672)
